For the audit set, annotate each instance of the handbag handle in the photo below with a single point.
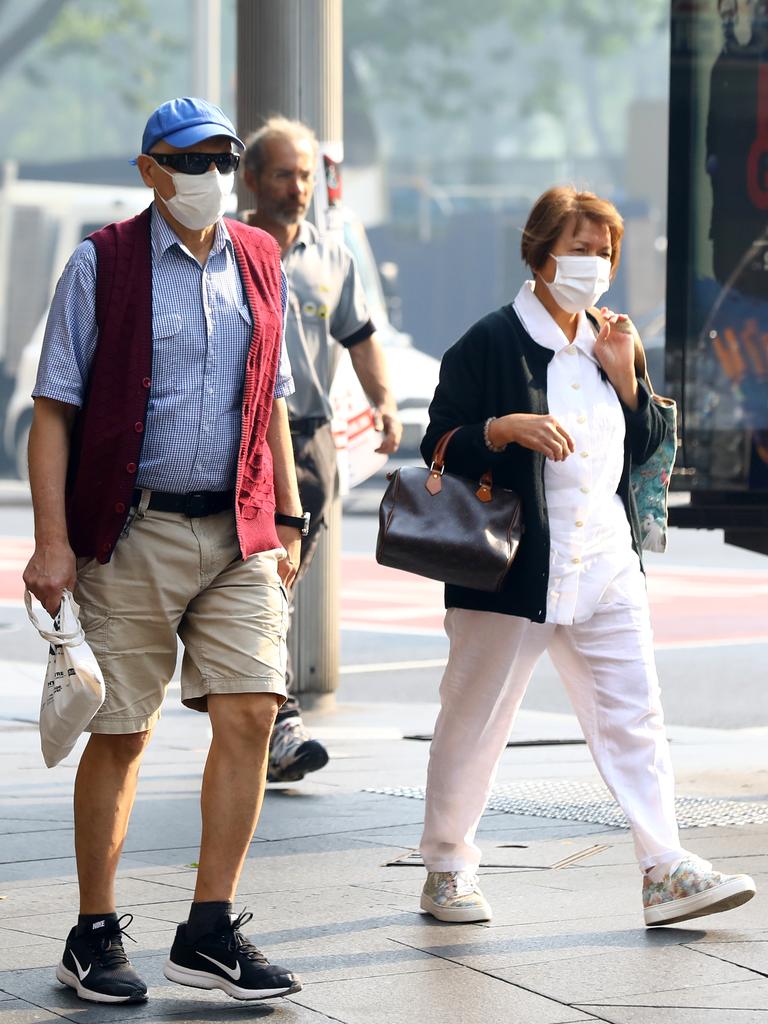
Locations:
(433, 484)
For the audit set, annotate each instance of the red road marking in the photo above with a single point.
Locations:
(689, 607)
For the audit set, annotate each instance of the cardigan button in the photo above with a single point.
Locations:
(249, 512)
(147, 382)
(130, 467)
(138, 427)
(119, 506)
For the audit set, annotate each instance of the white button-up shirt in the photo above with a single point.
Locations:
(591, 542)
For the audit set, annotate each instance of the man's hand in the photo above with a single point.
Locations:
(50, 571)
(392, 429)
(287, 567)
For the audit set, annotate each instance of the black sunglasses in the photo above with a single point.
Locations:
(198, 163)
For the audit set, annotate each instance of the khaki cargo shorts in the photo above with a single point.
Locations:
(174, 576)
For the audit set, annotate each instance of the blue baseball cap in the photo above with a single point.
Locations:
(185, 121)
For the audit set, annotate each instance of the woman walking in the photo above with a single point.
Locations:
(552, 406)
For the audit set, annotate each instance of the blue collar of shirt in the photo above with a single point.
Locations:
(164, 237)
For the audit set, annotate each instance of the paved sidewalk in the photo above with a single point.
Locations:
(565, 945)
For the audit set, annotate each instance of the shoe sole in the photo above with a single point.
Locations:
(455, 915)
(726, 896)
(66, 977)
(311, 760)
(202, 979)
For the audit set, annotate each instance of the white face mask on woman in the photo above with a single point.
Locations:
(200, 198)
(579, 281)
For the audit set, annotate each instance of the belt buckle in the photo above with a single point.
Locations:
(196, 505)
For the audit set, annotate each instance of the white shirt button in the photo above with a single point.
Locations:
(576, 561)
(578, 523)
(584, 490)
(584, 455)
(581, 419)
(571, 350)
(575, 386)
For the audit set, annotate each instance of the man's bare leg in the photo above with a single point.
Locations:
(233, 788)
(105, 789)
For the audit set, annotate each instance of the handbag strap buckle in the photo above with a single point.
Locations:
(433, 482)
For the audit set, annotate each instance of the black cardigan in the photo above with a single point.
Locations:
(496, 368)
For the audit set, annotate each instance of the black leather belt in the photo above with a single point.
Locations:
(195, 504)
(308, 425)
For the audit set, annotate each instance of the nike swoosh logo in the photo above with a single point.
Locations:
(233, 972)
(81, 973)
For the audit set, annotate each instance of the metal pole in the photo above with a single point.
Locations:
(289, 62)
(206, 50)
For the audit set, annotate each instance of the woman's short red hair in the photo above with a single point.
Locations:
(550, 214)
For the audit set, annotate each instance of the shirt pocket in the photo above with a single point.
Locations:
(170, 357)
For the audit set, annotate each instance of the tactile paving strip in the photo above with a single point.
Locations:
(591, 802)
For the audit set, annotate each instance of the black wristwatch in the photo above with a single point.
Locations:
(297, 522)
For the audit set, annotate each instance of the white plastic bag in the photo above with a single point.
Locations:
(73, 690)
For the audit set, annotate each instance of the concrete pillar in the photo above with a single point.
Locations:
(289, 62)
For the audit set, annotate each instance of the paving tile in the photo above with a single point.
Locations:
(18, 1011)
(611, 974)
(16, 826)
(697, 1015)
(62, 897)
(434, 998)
(167, 1002)
(324, 956)
(35, 845)
(751, 953)
(493, 950)
(735, 995)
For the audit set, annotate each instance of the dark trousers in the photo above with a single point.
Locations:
(315, 456)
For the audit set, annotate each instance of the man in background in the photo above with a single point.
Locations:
(326, 311)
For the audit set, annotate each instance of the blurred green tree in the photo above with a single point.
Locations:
(78, 69)
(424, 55)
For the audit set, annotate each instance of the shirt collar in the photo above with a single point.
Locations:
(308, 235)
(164, 237)
(542, 327)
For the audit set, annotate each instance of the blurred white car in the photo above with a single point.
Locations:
(62, 214)
(413, 373)
(77, 210)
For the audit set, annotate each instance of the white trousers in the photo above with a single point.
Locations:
(608, 668)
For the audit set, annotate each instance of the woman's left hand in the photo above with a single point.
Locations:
(615, 351)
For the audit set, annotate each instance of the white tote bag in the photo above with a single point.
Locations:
(73, 690)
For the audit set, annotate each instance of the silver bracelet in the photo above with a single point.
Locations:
(487, 437)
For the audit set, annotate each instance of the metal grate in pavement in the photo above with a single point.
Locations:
(591, 802)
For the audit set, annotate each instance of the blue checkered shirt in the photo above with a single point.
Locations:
(201, 333)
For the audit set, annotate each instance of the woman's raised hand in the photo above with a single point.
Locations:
(615, 351)
(539, 433)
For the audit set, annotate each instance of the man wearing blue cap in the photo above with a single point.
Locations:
(165, 497)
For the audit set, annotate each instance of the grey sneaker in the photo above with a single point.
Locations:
(693, 889)
(454, 896)
(293, 753)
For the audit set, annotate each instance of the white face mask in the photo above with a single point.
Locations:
(200, 198)
(579, 281)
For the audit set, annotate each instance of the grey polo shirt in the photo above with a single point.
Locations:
(326, 304)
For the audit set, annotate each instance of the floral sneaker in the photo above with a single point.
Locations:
(454, 896)
(693, 889)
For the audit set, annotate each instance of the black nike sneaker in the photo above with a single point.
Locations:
(225, 959)
(94, 964)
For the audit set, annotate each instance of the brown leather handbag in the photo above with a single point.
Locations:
(447, 527)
